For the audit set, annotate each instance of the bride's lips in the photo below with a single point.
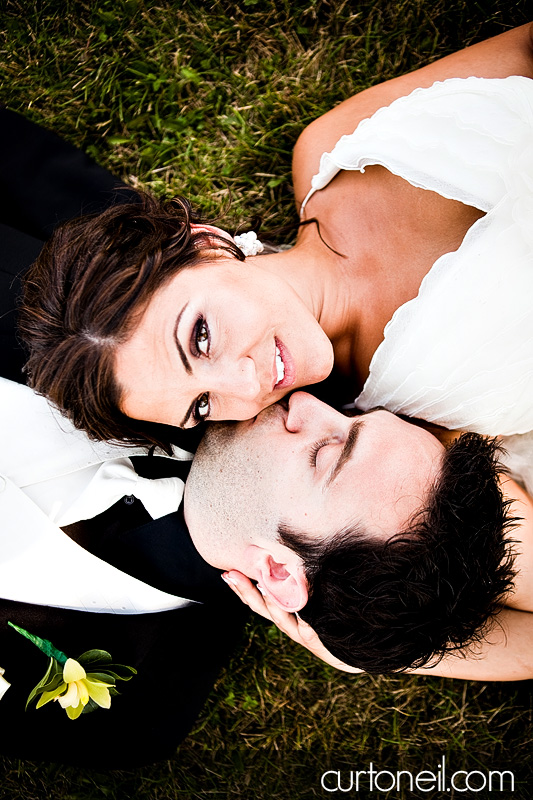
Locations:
(288, 364)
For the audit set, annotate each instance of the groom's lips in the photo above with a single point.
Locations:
(278, 410)
(288, 363)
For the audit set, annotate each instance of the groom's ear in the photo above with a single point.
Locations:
(283, 580)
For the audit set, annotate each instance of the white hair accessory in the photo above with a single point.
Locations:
(249, 243)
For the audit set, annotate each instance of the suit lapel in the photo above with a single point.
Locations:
(39, 564)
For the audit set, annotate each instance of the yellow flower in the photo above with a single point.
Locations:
(4, 685)
(77, 688)
(66, 680)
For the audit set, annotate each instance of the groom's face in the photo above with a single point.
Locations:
(304, 464)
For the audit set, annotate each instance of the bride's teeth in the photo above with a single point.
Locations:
(280, 366)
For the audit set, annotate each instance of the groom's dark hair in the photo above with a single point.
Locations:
(390, 605)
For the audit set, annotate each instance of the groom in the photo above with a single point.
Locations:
(78, 537)
(393, 546)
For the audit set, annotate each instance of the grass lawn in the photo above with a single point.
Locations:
(207, 99)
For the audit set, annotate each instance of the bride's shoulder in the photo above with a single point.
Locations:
(510, 53)
(321, 135)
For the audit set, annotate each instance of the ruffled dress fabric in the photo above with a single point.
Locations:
(460, 354)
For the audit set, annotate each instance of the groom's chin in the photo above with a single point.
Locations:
(217, 437)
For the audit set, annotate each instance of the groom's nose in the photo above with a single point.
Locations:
(305, 411)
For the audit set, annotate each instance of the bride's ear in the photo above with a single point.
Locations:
(210, 229)
(283, 582)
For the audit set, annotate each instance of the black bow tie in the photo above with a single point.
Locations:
(159, 552)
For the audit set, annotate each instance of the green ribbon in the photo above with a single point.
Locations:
(44, 645)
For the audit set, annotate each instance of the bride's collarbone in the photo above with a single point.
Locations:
(389, 232)
(388, 235)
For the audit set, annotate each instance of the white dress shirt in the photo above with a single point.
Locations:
(50, 475)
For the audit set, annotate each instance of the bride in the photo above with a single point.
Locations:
(411, 273)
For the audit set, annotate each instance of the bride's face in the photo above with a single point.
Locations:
(221, 341)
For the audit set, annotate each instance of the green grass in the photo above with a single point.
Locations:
(207, 99)
(279, 719)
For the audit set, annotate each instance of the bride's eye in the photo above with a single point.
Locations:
(201, 408)
(201, 338)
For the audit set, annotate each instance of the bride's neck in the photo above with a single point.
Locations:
(327, 286)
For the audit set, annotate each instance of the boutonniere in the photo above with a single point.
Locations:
(79, 685)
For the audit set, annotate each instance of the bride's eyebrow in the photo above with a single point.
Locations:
(188, 413)
(347, 450)
(181, 351)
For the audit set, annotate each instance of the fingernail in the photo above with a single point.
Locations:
(260, 588)
(226, 578)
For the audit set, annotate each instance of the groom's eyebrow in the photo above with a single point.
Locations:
(181, 351)
(346, 451)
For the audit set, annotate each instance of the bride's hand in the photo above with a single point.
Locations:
(291, 624)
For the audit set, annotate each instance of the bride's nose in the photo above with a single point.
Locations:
(239, 380)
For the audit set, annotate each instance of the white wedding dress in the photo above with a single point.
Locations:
(460, 354)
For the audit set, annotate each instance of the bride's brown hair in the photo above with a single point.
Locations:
(86, 293)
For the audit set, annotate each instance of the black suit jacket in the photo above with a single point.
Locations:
(44, 180)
